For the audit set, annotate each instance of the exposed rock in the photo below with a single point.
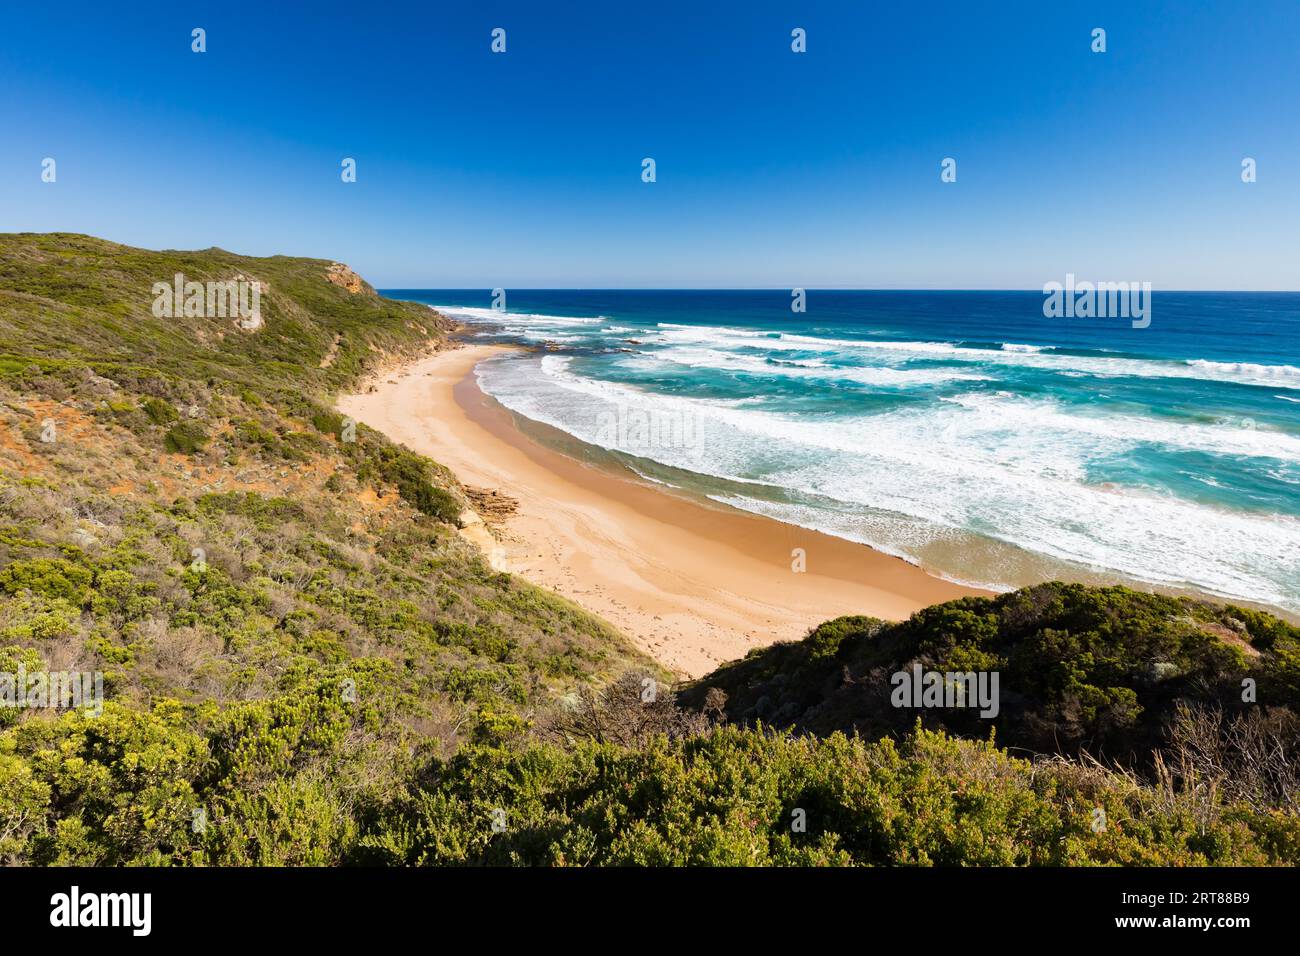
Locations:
(494, 506)
(344, 278)
(333, 353)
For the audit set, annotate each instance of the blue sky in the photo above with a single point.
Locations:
(774, 169)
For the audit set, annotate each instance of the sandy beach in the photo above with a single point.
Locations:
(691, 583)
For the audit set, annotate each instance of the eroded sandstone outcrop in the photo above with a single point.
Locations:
(343, 277)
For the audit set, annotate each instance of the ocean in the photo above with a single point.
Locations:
(963, 431)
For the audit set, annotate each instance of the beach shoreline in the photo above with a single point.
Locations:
(691, 583)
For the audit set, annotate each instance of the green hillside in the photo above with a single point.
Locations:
(71, 299)
(1101, 670)
(305, 663)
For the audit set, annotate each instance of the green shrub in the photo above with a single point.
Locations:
(185, 438)
(160, 412)
(48, 577)
(730, 798)
(1080, 668)
(410, 473)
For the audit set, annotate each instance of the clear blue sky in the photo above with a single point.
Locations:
(774, 169)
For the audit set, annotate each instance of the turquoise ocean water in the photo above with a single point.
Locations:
(964, 431)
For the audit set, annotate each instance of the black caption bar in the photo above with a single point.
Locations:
(143, 906)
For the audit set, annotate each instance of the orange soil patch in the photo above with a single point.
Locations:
(1229, 636)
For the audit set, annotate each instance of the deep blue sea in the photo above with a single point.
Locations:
(964, 431)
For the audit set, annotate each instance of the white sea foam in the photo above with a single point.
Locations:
(539, 335)
(1225, 438)
(1285, 376)
(894, 352)
(1247, 373)
(878, 376)
(475, 314)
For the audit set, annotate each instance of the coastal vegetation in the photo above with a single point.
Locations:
(1082, 669)
(304, 663)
